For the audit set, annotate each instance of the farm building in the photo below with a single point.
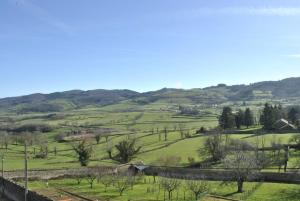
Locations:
(283, 124)
(136, 169)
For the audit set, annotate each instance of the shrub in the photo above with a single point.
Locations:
(44, 128)
(191, 160)
(61, 137)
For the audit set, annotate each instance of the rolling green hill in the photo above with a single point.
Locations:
(286, 89)
(59, 101)
(125, 114)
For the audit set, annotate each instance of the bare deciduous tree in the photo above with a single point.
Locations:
(121, 183)
(78, 178)
(77, 175)
(243, 165)
(169, 184)
(4, 140)
(91, 176)
(106, 180)
(105, 176)
(199, 188)
(214, 147)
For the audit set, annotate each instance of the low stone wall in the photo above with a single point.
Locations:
(48, 174)
(15, 192)
(220, 175)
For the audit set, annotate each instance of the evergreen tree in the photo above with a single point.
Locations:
(293, 115)
(227, 119)
(270, 115)
(278, 112)
(267, 118)
(248, 118)
(239, 119)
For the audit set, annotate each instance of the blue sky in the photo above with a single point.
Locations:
(57, 45)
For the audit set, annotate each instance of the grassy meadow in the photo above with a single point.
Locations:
(146, 190)
(146, 124)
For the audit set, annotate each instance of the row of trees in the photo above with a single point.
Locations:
(107, 177)
(185, 110)
(43, 128)
(293, 115)
(36, 140)
(242, 158)
(122, 181)
(199, 188)
(269, 115)
(229, 120)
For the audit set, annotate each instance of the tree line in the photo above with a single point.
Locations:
(272, 113)
(229, 119)
(269, 115)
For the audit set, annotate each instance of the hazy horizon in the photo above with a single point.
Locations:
(142, 91)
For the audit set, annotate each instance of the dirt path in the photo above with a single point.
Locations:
(60, 195)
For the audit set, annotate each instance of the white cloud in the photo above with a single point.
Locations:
(294, 56)
(264, 11)
(281, 11)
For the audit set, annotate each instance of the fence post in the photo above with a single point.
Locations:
(26, 171)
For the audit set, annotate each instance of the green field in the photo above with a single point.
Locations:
(147, 190)
(146, 124)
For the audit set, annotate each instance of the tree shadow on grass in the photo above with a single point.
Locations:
(94, 194)
(54, 163)
(287, 194)
(252, 136)
(231, 194)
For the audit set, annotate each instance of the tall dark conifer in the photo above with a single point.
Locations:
(227, 119)
(248, 118)
(239, 119)
(293, 115)
(270, 115)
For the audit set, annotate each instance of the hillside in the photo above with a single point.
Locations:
(59, 101)
(64, 100)
(166, 137)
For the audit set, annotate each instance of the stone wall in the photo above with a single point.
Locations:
(15, 192)
(47, 174)
(220, 175)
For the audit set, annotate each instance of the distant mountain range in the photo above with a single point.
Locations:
(283, 89)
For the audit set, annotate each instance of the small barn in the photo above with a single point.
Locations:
(136, 169)
(284, 125)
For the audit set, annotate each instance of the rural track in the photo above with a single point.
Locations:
(74, 195)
